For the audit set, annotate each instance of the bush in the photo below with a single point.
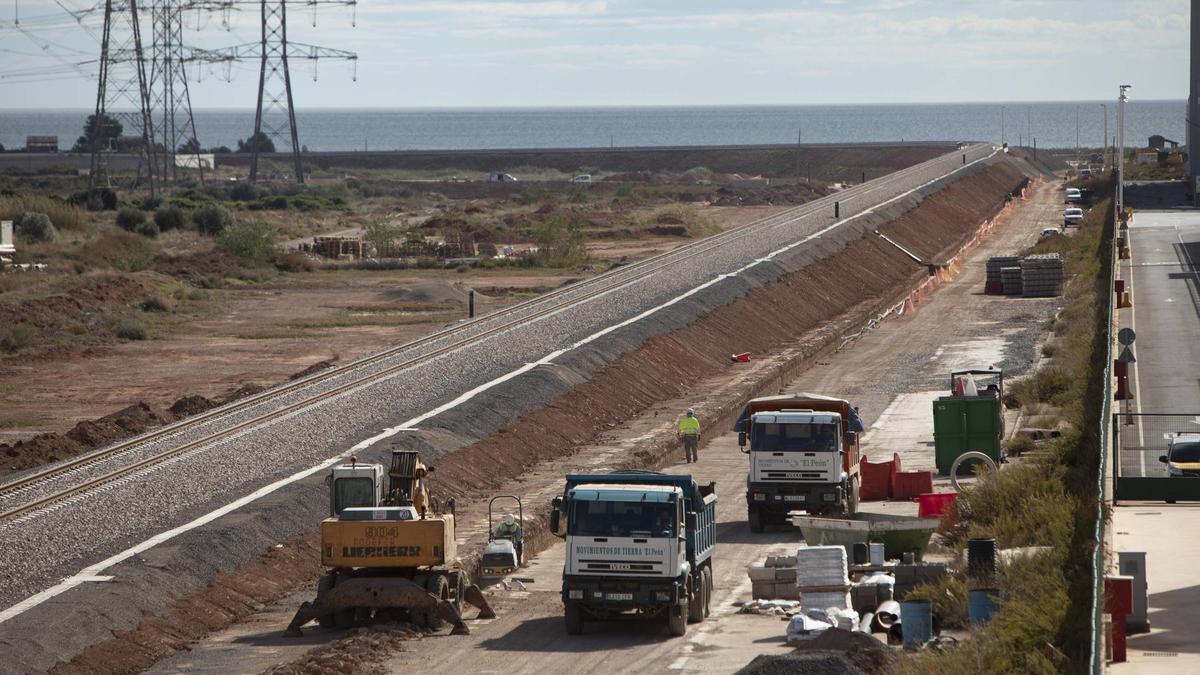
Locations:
(147, 229)
(169, 217)
(16, 337)
(295, 262)
(212, 219)
(244, 192)
(154, 303)
(64, 214)
(251, 241)
(122, 252)
(36, 227)
(127, 329)
(128, 218)
(560, 242)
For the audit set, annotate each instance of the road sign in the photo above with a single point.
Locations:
(1126, 336)
(1126, 356)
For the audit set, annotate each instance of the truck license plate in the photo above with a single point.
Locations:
(620, 596)
(793, 498)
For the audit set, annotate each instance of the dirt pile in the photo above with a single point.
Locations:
(865, 652)
(362, 652)
(229, 597)
(805, 663)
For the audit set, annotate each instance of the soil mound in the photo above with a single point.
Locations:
(135, 419)
(806, 663)
(314, 368)
(191, 405)
(865, 652)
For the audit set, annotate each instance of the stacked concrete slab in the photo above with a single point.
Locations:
(1042, 275)
(1010, 277)
(821, 577)
(775, 579)
(995, 284)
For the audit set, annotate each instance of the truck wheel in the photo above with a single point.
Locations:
(573, 616)
(677, 618)
(852, 497)
(324, 585)
(708, 591)
(755, 519)
(697, 598)
(439, 588)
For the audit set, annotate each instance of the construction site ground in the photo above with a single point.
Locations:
(892, 373)
(254, 336)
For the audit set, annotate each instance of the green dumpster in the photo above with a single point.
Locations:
(965, 423)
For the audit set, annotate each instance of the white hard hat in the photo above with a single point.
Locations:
(691, 412)
(508, 518)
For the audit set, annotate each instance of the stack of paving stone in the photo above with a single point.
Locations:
(821, 577)
(1010, 277)
(994, 284)
(1041, 276)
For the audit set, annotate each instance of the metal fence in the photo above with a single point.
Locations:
(1140, 442)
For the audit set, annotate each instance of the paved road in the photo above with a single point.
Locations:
(1166, 315)
(900, 365)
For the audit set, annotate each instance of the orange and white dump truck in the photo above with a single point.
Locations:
(804, 456)
(388, 552)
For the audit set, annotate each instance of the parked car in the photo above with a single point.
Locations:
(582, 178)
(1072, 215)
(1049, 232)
(1085, 173)
(1073, 196)
(1183, 455)
(498, 177)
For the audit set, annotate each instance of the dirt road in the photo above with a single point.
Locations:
(891, 372)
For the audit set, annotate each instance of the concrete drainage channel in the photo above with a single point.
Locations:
(615, 379)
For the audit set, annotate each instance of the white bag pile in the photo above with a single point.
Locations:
(822, 568)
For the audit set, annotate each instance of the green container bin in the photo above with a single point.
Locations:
(965, 423)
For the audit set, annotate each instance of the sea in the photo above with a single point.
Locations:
(1048, 124)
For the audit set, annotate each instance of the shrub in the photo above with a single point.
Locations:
(16, 337)
(128, 329)
(295, 262)
(244, 192)
(169, 217)
(36, 227)
(122, 252)
(154, 303)
(64, 214)
(147, 229)
(251, 241)
(560, 242)
(212, 219)
(128, 218)
(151, 203)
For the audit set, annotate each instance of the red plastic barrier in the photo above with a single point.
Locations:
(877, 478)
(936, 504)
(909, 484)
(740, 358)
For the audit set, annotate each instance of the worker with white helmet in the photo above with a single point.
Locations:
(689, 433)
(510, 529)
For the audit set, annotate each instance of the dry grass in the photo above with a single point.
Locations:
(64, 216)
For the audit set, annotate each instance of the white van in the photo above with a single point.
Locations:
(498, 177)
(582, 178)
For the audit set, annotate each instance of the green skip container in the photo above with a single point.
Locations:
(962, 424)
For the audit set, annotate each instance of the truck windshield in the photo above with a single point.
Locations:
(803, 437)
(348, 492)
(622, 519)
(1185, 453)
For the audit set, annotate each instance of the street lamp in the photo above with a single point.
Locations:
(1104, 157)
(1003, 138)
(1121, 152)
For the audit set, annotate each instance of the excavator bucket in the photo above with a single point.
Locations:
(474, 597)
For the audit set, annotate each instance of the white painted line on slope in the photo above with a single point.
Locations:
(94, 570)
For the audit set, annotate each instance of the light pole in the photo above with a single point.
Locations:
(1077, 132)
(1029, 122)
(1121, 152)
(1104, 157)
(1003, 138)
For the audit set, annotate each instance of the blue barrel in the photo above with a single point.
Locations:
(981, 605)
(916, 622)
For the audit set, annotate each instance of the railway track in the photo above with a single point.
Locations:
(378, 366)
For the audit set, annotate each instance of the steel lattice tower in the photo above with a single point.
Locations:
(275, 88)
(169, 94)
(122, 83)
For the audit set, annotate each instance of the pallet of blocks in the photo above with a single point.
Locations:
(775, 579)
(1011, 279)
(994, 284)
(821, 577)
(1042, 275)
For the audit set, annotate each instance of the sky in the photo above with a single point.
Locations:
(516, 53)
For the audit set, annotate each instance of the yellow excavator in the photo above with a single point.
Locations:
(389, 554)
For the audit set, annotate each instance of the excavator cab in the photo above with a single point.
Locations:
(354, 485)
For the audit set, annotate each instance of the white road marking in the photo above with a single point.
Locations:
(89, 573)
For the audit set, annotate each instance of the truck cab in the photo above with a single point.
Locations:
(803, 452)
(637, 542)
